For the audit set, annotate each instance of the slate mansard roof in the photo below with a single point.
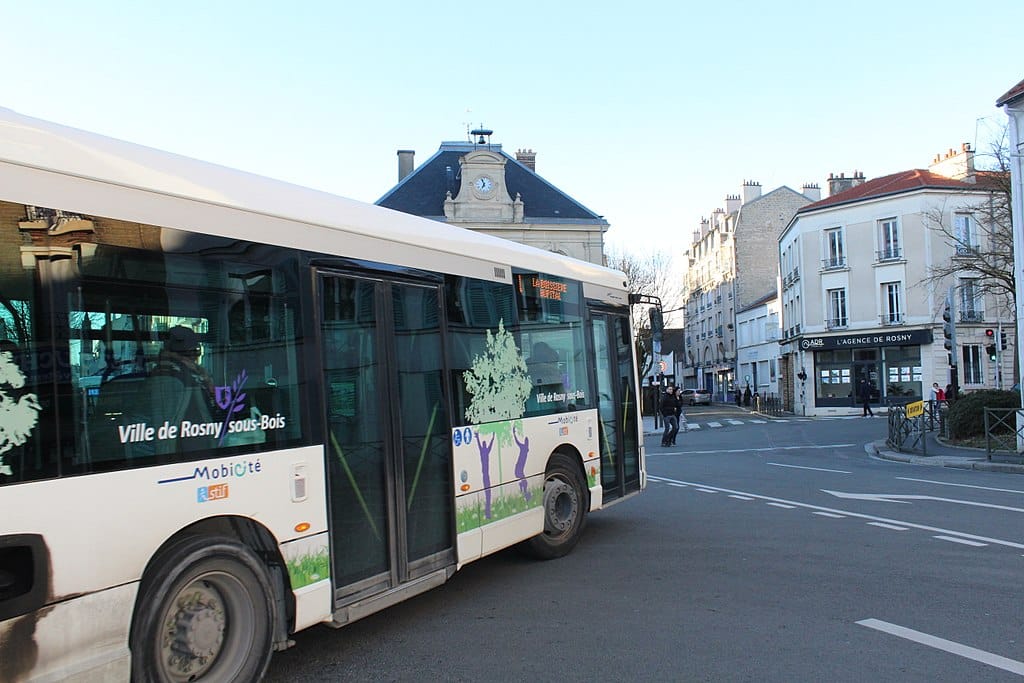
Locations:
(422, 192)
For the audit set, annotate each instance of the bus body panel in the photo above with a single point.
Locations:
(309, 569)
(256, 486)
(82, 639)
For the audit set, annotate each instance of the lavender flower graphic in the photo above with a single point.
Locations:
(230, 398)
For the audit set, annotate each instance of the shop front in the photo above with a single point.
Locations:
(889, 361)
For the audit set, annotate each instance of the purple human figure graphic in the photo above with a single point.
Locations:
(485, 461)
(524, 450)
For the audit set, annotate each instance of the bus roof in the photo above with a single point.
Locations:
(39, 144)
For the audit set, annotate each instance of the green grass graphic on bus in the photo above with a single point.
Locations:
(309, 568)
(472, 516)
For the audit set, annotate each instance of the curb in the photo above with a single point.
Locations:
(880, 449)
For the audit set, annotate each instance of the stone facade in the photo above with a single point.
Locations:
(732, 262)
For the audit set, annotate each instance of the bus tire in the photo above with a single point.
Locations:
(565, 509)
(205, 613)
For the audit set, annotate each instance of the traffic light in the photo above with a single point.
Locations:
(990, 335)
(1002, 341)
(657, 324)
(991, 351)
(948, 330)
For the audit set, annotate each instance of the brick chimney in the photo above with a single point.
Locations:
(528, 158)
(841, 183)
(812, 191)
(405, 163)
(956, 165)
(751, 190)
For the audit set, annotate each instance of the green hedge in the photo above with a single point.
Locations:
(966, 415)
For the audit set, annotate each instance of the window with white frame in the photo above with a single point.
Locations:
(835, 255)
(889, 239)
(972, 364)
(966, 232)
(971, 301)
(836, 309)
(892, 313)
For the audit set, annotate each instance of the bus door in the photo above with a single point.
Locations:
(617, 402)
(388, 451)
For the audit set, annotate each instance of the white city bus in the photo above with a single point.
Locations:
(232, 408)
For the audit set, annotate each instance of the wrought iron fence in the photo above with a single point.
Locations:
(1002, 434)
(907, 433)
(769, 404)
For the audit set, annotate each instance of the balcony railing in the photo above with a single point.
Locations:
(890, 254)
(834, 262)
(967, 249)
(972, 316)
(836, 323)
(892, 319)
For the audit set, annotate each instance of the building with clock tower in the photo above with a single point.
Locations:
(476, 185)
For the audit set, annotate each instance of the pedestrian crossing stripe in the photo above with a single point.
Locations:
(685, 426)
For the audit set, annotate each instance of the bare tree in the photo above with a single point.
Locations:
(991, 257)
(650, 274)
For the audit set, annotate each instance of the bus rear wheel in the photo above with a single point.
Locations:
(205, 614)
(565, 510)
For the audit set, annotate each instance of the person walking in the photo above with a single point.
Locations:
(670, 409)
(865, 397)
(937, 393)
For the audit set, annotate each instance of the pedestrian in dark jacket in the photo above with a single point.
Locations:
(865, 397)
(670, 410)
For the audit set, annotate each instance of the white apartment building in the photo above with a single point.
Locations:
(757, 346)
(855, 293)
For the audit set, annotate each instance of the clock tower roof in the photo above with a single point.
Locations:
(423, 191)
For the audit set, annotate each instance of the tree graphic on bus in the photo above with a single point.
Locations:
(500, 386)
(18, 414)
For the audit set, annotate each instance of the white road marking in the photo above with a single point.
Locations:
(888, 526)
(961, 540)
(966, 486)
(735, 422)
(691, 427)
(714, 424)
(829, 514)
(682, 486)
(760, 422)
(801, 467)
(858, 515)
(782, 505)
(706, 490)
(775, 448)
(740, 497)
(999, 662)
(903, 498)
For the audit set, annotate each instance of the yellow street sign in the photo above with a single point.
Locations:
(915, 409)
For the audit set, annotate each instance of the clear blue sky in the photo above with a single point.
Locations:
(647, 113)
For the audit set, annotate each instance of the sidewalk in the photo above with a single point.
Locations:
(939, 454)
(942, 455)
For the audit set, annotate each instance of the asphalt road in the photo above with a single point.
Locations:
(760, 552)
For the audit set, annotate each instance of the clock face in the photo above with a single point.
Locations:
(483, 185)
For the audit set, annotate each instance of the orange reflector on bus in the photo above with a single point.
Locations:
(302, 526)
(464, 487)
(591, 454)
